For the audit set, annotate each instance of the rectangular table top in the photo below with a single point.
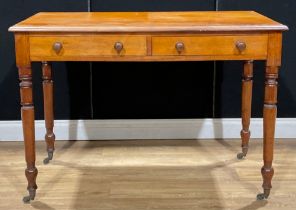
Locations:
(125, 22)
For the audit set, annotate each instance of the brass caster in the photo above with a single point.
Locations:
(263, 196)
(49, 157)
(29, 197)
(244, 152)
(240, 156)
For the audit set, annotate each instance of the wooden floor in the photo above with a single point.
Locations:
(155, 174)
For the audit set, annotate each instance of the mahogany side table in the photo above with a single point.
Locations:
(148, 36)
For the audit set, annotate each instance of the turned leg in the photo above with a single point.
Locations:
(247, 84)
(27, 112)
(48, 109)
(269, 115)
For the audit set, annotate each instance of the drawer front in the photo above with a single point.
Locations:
(58, 47)
(214, 45)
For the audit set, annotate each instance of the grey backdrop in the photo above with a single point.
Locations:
(97, 90)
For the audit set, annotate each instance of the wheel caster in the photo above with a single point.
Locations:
(49, 157)
(29, 197)
(263, 196)
(240, 156)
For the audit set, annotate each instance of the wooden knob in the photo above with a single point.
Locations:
(180, 47)
(57, 47)
(241, 46)
(118, 46)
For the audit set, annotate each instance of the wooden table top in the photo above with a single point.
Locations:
(147, 22)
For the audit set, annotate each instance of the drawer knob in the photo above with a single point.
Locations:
(180, 47)
(57, 47)
(118, 46)
(241, 46)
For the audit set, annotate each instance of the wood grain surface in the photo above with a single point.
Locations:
(86, 46)
(147, 22)
(256, 45)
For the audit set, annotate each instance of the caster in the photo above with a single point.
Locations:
(30, 197)
(263, 196)
(49, 157)
(240, 156)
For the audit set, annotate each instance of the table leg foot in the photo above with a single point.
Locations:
(240, 155)
(31, 196)
(263, 196)
(49, 156)
(245, 147)
(31, 175)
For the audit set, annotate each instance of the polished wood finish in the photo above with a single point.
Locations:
(270, 108)
(75, 47)
(85, 46)
(149, 58)
(147, 22)
(256, 45)
(149, 36)
(149, 174)
(247, 85)
(27, 111)
(48, 109)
